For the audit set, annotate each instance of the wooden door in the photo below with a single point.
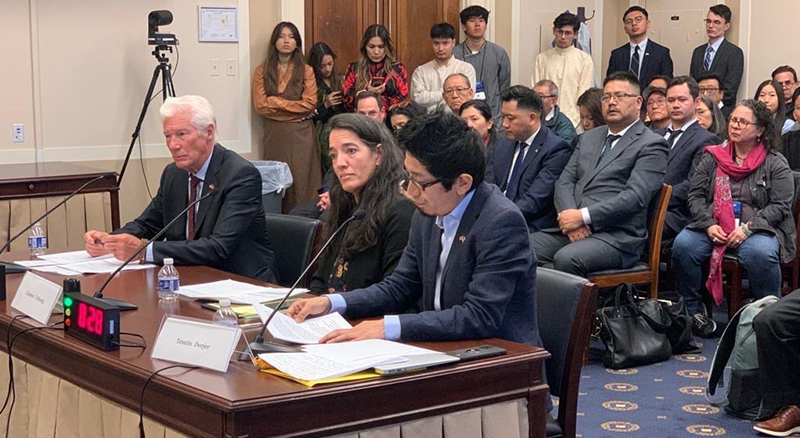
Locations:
(341, 24)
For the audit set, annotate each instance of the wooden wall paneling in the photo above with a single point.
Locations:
(410, 26)
(340, 24)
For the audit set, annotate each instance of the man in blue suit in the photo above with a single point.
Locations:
(642, 56)
(526, 164)
(468, 264)
(687, 140)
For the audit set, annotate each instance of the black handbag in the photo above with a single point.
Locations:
(679, 333)
(634, 331)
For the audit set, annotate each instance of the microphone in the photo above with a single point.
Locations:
(123, 305)
(11, 268)
(258, 346)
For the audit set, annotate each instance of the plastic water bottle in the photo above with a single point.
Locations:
(225, 315)
(37, 241)
(168, 281)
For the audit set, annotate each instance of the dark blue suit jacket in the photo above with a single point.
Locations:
(655, 61)
(681, 162)
(544, 162)
(488, 282)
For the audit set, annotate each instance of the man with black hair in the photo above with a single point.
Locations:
(686, 139)
(526, 164)
(492, 66)
(641, 56)
(657, 81)
(787, 77)
(711, 85)
(604, 192)
(468, 264)
(570, 68)
(554, 119)
(719, 55)
(427, 82)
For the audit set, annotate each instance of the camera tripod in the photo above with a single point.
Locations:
(163, 69)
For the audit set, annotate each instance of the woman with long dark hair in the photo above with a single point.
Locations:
(376, 70)
(478, 116)
(368, 166)
(770, 94)
(285, 94)
(329, 95)
(709, 116)
(741, 198)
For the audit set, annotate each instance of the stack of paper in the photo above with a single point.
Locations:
(236, 291)
(329, 361)
(78, 262)
(307, 332)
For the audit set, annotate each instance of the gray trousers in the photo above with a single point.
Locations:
(580, 258)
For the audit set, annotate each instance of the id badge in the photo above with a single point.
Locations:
(480, 93)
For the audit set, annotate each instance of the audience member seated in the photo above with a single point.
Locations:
(686, 139)
(226, 231)
(656, 114)
(376, 70)
(402, 114)
(741, 200)
(478, 116)
(369, 104)
(768, 93)
(476, 281)
(590, 107)
(285, 95)
(641, 56)
(369, 167)
(777, 330)
(329, 95)
(569, 67)
(491, 63)
(527, 162)
(659, 81)
(604, 192)
(719, 55)
(711, 86)
(554, 119)
(710, 117)
(786, 77)
(456, 91)
(791, 140)
(427, 82)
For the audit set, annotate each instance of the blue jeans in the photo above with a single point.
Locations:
(691, 252)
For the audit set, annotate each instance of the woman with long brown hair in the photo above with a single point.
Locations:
(285, 94)
(376, 70)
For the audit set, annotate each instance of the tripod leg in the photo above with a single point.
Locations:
(138, 127)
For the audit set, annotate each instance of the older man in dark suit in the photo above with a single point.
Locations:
(686, 139)
(526, 164)
(603, 194)
(468, 264)
(719, 56)
(226, 231)
(642, 56)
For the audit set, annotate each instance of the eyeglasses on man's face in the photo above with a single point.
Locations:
(616, 96)
(717, 23)
(456, 90)
(408, 182)
(636, 20)
(708, 90)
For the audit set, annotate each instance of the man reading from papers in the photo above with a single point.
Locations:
(226, 231)
(468, 261)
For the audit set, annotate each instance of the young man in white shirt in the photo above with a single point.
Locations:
(427, 82)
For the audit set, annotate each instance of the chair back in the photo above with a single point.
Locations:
(657, 218)
(565, 306)
(293, 239)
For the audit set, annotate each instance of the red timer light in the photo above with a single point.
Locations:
(91, 320)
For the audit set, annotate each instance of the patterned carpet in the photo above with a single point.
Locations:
(660, 400)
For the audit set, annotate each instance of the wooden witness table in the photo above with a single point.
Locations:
(246, 403)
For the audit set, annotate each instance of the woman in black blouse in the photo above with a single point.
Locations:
(368, 166)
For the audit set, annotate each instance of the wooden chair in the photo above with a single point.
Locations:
(294, 240)
(565, 306)
(734, 273)
(645, 272)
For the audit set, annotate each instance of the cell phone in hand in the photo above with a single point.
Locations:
(377, 81)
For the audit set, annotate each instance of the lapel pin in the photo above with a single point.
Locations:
(211, 187)
(462, 238)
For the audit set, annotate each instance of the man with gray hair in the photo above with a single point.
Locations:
(455, 91)
(554, 118)
(226, 231)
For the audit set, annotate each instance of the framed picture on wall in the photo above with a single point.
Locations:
(217, 24)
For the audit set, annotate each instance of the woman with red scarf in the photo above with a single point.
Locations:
(376, 71)
(741, 200)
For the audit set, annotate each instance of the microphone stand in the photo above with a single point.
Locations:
(259, 346)
(124, 305)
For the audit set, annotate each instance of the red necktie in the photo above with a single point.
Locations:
(195, 182)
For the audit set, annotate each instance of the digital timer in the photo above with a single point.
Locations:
(91, 320)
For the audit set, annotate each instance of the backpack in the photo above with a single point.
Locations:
(743, 399)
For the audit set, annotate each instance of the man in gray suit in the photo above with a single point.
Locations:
(604, 192)
(719, 56)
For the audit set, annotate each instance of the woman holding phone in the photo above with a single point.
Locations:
(376, 70)
(329, 95)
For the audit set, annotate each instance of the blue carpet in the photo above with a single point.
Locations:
(666, 399)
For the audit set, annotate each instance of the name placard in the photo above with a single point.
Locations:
(36, 297)
(195, 342)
